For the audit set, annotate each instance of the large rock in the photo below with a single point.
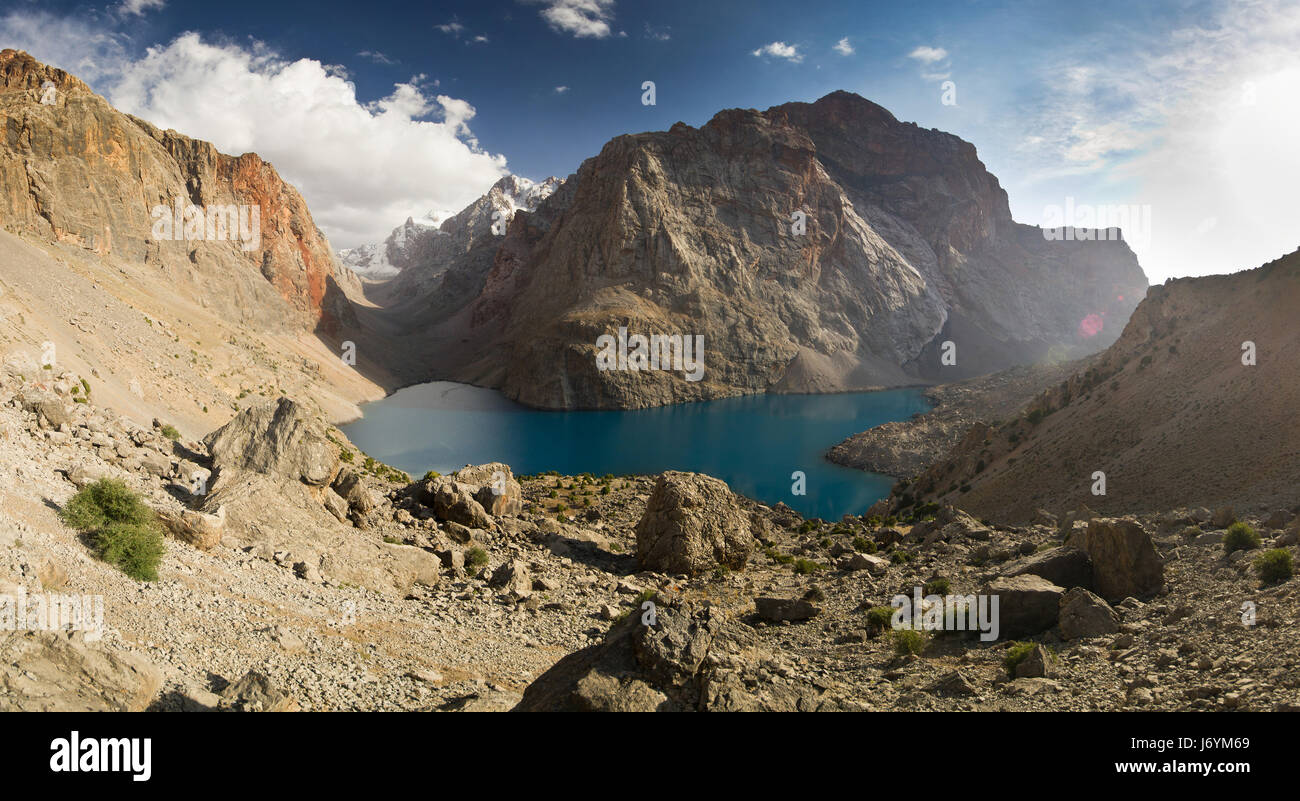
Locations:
(1065, 567)
(199, 529)
(46, 405)
(62, 672)
(1085, 615)
(280, 438)
(1124, 559)
(694, 658)
(454, 501)
(692, 524)
(498, 492)
(1027, 604)
(256, 693)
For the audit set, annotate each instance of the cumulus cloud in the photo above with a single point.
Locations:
(453, 28)
(559, 90)
(843, 47)
(928, 55)
(362, 167)
(780, 50)
(581, 18)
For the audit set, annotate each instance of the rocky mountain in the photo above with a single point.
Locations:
(226, 231)
(445, 266)
(1172, 413)
(814, 246)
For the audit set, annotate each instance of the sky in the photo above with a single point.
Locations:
(1182, 113)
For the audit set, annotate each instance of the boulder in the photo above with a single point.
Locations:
(692, 524)
(451, 500)
(45, 405)
(514, 578)
(1124, 559)
(497, 491)
(779, 610)
(49, 671)
(1027, 604)
(1037, 665)
(201, 530)
(256, 693)
(280, 438)
(1065, 567)
(1085, 615)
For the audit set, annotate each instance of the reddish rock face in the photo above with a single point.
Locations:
(78, 171)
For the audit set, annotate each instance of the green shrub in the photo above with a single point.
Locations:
(805, 567)
(476, 557)
(1275, 565)
(864, 545)
(123, 531)
(431, 474)
(169, 431)
(939, 586)
(1240, 537)
(1017, 653)
(908, 641)
(879, 618)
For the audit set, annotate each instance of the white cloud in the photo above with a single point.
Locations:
(376, 56)
(582, 18)
(453, 28)
(138, 7)
(362, 167)
(780, 50)
(658, 34)
(1200, 127)
(480, 39)
(928, 55)
(559, 90)
(843, 47)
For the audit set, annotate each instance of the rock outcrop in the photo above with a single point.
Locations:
(51, 671)
(80, 172)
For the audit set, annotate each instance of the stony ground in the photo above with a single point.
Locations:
(562, 575)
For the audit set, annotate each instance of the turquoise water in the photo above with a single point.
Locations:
(754, 443)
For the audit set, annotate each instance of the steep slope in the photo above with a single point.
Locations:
(1170, 413)
(75, 170)
(909, 243)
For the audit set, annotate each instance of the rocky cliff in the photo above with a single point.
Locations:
(1171, 413)
(75, 170)
(906, 242)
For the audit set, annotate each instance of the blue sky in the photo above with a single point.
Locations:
(382, 110)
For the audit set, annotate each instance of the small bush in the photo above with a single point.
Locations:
(1017, 653)
(939, 586)
(1240, 537)
(431, 474)
(879, 618)
(1275, 565)
(106, 501)
(123, 530)
(805, 567)
(476, 557)
(864, 545)
(169, 431)
(908, 641)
